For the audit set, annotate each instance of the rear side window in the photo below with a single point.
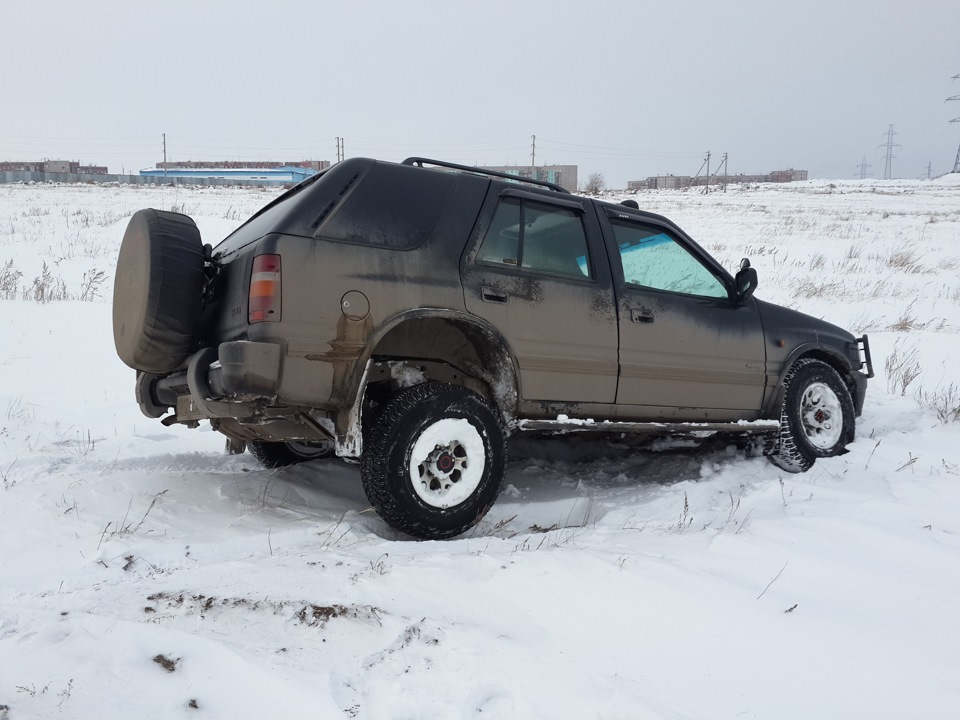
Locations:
(538, 237)
(393, 206)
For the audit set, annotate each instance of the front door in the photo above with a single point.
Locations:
(688, 351)
(536, 270)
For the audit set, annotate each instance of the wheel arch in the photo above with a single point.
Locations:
(463, 341)
(429, 339)
(810, 351)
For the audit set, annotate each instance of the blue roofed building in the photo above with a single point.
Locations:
(267, 173)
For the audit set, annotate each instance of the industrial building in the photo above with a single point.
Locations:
(266, 172)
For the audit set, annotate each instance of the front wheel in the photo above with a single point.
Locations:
(433, 460)
(817, 417)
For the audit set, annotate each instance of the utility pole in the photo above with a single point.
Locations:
(929, 169)
(863, 167)
(340, 153)
(706, 187)
(705, 163)
(956, 163)
(723, 164)
(889, 157)
(164, 156)
(533, 156)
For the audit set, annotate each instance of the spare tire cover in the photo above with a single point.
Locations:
(157, 291)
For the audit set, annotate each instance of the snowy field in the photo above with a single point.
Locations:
(146, 574)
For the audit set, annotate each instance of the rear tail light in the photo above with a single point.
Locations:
(264, 305)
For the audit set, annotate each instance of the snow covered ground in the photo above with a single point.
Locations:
(146, 574)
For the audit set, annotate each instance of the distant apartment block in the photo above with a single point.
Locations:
(53, 166)
(563, 175)
(674, 182)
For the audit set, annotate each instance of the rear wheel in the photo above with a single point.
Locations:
(817, 417)
(281, 454)
(433, 460)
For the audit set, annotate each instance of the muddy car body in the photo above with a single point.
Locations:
(377, 307)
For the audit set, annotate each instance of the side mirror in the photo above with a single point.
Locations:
(746, 281)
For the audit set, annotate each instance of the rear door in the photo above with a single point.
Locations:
(536, 269)
(688, 351)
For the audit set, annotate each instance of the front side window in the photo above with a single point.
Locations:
(651, 257)
(538, 237)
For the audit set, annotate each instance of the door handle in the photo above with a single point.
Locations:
(489, 294)
(640, 316)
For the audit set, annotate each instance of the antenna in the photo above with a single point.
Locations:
(889, 157)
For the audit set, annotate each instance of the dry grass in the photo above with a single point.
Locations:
(9, 281)
(944, 401)
(47, 287)
(905, 260)
(902, 367)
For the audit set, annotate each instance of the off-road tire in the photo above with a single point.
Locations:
(470, 449)
(281, 454)
(157, 291)
(815, 398)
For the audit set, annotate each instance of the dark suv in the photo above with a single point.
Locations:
(412, 317)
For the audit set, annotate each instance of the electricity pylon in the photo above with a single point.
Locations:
(889, 157)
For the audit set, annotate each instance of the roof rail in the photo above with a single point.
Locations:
(420, 161)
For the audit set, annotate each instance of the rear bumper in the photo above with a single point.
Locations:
(219, 382)
(235, 386)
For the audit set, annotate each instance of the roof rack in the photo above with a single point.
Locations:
(421, 162)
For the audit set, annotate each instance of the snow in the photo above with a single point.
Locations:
(680, 581)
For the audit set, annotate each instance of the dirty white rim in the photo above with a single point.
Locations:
(447, 462)
(821, 416)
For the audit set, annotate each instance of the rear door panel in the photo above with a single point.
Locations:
(552, 299)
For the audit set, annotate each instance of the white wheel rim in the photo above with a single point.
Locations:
(447, 462)
(821, 416)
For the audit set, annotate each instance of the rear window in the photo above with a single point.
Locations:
(393, 206)
(266, 219)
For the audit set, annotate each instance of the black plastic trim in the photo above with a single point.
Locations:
(864, 343)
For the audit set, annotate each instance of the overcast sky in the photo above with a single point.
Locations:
(627, 89)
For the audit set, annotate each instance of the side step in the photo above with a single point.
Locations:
(567, 425)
